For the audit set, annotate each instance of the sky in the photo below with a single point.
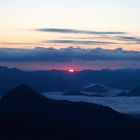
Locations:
(107, 24)
(22, 19)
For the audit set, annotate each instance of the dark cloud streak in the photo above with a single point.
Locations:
(80, 42)
(74, 31)
(131, 39)
(103, 35)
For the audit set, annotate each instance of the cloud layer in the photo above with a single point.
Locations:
(66, 54)
(50, 58)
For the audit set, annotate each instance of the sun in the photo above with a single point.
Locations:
(71, 70)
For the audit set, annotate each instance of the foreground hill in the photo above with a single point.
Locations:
(27, 115)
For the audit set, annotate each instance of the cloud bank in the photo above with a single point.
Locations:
(41, 58)
(66, 54)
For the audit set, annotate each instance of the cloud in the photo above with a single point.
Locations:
(104, 36)
(70, 54)
(74, 31)
(130, 39)
(81, 42)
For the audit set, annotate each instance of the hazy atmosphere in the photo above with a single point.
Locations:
(69, 70)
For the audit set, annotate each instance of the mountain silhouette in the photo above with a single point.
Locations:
(79, 93)
(96, 88)
(134, 93)
(26, 114)
(74, 93)
(22, 91)
(56, 80)
(22, 98)
(123, 93)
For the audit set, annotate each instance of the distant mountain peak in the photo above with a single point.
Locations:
(22, 89)
(97, 89)
(22, 86)
(23, 95)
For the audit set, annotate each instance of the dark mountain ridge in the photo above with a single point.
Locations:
(28, 115)
(40, 80)
(57, 80)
